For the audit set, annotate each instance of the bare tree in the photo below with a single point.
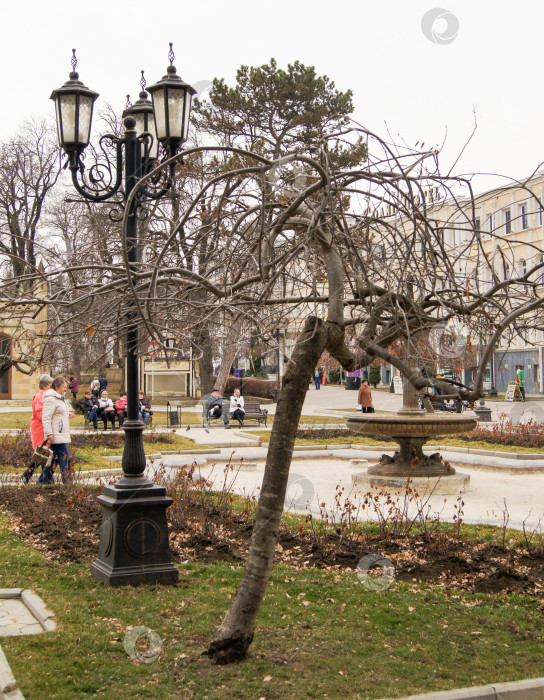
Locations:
(29, 169)
(359, 250)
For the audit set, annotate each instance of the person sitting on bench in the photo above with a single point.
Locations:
(236, 408)
(89, 406)
(145, 408)
(121, 408)
(106, 410)
(214, 407)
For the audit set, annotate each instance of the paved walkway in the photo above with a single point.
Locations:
(332, 400)
(500, 488)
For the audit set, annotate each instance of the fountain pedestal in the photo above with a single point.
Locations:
(411, 433)
(411, 428)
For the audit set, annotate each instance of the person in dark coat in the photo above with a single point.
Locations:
(145, 408)
(103, 383)
(214, 406)
(89, 406)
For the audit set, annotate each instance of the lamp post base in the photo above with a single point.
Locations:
(134, 548)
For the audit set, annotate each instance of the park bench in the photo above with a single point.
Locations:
(441, 405)
(254, 412)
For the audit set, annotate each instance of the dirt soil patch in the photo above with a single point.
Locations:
(64, 523)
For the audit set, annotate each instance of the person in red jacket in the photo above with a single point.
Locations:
(36, 427)
(121, 408)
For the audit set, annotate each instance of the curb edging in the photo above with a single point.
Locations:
(8, 684)
(527, 689)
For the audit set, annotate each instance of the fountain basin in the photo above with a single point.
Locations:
(411, 431)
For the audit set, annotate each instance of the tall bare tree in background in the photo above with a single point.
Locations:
(29, 169)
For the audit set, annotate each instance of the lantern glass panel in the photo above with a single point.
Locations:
(85, 116)
(188, 100)
(160, 114)
(175, 112)
(66, 105)
(140, 122)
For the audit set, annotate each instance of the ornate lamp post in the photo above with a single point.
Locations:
(134, 534)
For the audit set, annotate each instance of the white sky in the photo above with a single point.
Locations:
(400, 79)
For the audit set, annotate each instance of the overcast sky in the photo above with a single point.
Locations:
(483, 57)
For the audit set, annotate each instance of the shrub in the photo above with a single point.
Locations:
(16, 450)
(333, 377)
(374, 375)
(504, 432)
(262, 388)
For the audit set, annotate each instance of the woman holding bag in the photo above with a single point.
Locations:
(56, 426)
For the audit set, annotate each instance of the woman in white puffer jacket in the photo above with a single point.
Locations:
(56, 428)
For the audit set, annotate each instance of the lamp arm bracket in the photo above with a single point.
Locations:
(97, 174)
(167, 187)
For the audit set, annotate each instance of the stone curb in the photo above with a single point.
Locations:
(8, 684)
(35, 604)
(528, 689)
(37, 607)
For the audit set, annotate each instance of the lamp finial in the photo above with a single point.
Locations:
(74, 75)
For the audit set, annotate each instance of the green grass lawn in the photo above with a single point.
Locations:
(89, 458)
(319, 634)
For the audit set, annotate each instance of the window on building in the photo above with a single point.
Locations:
(506, 271)
(524, 219)
(477, 223)
(507, 221)
(490, 223)
(523, 267)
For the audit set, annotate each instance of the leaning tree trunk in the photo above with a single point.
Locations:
(233, 638)
(230, 350)
(203, 341)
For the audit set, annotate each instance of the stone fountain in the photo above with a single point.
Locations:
(411, 428)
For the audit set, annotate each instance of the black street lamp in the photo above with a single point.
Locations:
(134, 534)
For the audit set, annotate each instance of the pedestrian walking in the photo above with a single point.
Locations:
(95, 387)
(74, 387)
(317, 379)
(520, 379)
(36, 427)
(56, 427)
(364, 397)
(103, 383)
